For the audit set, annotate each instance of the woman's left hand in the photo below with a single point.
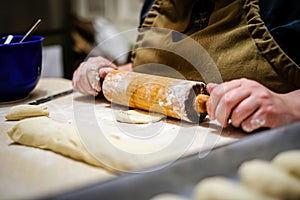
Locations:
(86, 78)
(250, 105)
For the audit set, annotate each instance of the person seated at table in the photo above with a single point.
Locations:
(254, 45)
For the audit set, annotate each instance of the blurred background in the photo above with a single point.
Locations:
(73, 28)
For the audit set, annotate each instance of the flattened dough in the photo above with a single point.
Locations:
(266, 178)
(138, 117)
(168, 196)
(220, 188)
(289, 161)
(45, 133)
(24, 111)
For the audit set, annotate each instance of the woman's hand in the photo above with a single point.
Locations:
(87, 75)
(250, 105)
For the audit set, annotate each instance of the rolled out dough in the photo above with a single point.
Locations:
(266, 178)
(24, 111)
(168, 196)
(221, 188)
(289, 161)
(45, 133)
(138, 117)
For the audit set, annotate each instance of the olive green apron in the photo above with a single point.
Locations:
(212, 41)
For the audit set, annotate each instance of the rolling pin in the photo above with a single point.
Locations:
(176, 98)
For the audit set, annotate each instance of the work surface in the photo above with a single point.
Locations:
(28, 172)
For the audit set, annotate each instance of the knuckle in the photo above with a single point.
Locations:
(264, 95)
(253, 86)
(244, 79)
(236, 118)
(228, 101)
(267, 110)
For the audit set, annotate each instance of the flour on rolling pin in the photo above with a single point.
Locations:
(172, 97)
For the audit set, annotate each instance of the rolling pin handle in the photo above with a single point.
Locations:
(201, 101)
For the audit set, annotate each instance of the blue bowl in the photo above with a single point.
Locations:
(20, 67)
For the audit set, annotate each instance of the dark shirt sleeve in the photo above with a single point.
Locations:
(282, 18)
(145, 9)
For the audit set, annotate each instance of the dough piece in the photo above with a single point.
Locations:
(45, 133)
(289, 161)
(266, 178)
(24, 111)
(138, 117)
(220, 188)
(168, 196)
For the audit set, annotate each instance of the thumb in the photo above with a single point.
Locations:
(104, 71)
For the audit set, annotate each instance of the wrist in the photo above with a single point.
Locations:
(292, 103)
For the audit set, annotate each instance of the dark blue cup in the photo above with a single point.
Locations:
(20, 67)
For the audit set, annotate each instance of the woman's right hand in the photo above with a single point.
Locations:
(250, 105)
(86, 78)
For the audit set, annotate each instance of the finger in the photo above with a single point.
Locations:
(102, 62)
(262, 117)
(233, 101)
(90, 77)
(74, 81)
(217, 94)
(87, 91)
(104, 71)
(93, 80)
(111, 65)
(80, 80)
(255, 121)
(94, 71)
(102, 74)
(267, 115)
(86, 77)
(243, 110)
(211, 86)
(253, 124)
(84, 87)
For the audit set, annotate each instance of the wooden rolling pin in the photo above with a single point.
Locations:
(181, 99)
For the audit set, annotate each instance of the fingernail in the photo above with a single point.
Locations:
(254, 124)
(246, 129)
(257, 123)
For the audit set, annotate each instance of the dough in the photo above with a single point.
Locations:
(220, 188)
(289, 161)
(266, 178)
(138, 117)
(45, 133)
(168, 196)
(24, 111)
